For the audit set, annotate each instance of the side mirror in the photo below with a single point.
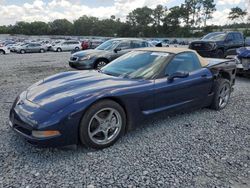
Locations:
(177, 75)
(117, 50)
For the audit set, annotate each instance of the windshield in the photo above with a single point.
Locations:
(110, 44)
(215, 36)
(138, 65)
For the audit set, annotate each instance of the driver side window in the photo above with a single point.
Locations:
(124, 45)
(183, 62)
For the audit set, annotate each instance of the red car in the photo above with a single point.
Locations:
(85, 45)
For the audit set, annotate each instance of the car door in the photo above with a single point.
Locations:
(29, 47)
(65, 46)
(192, 90)
(36, 48)
(122, 48)
(231, 44)
(71, 45)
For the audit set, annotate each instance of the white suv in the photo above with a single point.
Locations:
(4, 50)
(66, 46)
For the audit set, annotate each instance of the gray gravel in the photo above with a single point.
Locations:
(202, 148)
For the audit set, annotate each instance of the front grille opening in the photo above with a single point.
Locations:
(23, 130)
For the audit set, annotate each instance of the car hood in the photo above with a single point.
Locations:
(91, 52)
(207, 41)
(60, 90)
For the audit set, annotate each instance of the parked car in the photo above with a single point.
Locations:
(66, 46)
(105, 53)
(219, 44)
(85, 44)
(31, 47)
(4, 50)
(165, 43)
(243, 60)
(98, 107)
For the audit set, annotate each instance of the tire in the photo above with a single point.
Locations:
(100, 63)
(42, 50)
(92, 132)
(77, 48)
(220, 54)
(2, 52)
(219, 87)
(59, 49)
(22, 51)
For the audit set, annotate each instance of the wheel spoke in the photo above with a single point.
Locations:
(105, 135)
(95, 132)
(110, 115)
(220, 101)
(100, 120)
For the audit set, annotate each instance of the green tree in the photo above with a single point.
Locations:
(61, 27)
(208, 7)
(237, 13)
(86, 26)
(140, 19)
(171, 22)
(38, 28)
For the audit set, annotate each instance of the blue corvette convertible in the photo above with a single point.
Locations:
(96, 108)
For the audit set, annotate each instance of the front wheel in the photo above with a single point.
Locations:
(2, 52)
(100, 63)
(59, 49)
(102, 124)
(222, 92)
(22, 51)
(220, 54)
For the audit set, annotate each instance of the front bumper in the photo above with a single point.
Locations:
(21, 118)
(205, 53)
(82, 65)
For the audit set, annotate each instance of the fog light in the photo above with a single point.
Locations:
(44, 134)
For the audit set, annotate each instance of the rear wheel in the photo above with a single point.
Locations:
(222, 92)
(77, 48)
(22, 51)
(42, 50)
(102, 124)
(2, 52)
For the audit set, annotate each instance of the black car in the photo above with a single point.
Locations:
(105, 53)
(218, 44)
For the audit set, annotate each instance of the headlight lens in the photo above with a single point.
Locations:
(213, 45)
(85, 58)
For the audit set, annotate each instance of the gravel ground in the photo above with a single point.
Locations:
(202, 148)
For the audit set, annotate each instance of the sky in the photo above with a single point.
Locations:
(12, 11)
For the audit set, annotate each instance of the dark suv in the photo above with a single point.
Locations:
(105, 53)
(218, 44)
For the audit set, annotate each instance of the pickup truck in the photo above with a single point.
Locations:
(219, 44)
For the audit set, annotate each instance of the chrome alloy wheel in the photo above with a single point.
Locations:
(100, 65)
(224, 95)
(105, 126)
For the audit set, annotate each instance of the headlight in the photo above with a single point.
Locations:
(85, 58)
(213, 45)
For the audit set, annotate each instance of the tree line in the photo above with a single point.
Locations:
(177, 21)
